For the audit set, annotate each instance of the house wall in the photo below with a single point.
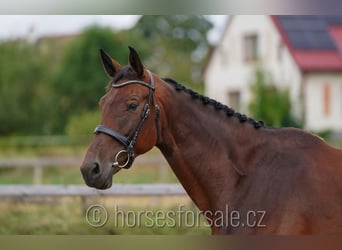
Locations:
(317, 101)
(228, 71)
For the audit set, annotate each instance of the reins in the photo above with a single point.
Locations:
(129, 142)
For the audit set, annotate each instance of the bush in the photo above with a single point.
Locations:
(82, 124)
(269, 103)
(23, 93)
(80, 80)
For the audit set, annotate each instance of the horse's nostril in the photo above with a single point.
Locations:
(95, 169)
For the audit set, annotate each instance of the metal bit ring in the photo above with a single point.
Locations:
(116, 162)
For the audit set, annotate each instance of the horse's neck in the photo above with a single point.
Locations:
(206, 150)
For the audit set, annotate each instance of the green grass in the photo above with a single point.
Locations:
(68, 216)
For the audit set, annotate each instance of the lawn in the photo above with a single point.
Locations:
(67, 215)
(141, 216)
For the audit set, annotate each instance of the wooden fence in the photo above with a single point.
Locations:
(84, 191)
(81, 190)
(39, 163)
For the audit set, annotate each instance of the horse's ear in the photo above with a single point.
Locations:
(135, 62)
(110, 65)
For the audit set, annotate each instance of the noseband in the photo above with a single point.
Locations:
(129, 142)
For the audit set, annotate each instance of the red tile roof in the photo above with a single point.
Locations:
(315, 42)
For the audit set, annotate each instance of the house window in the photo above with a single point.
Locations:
(250, 48)
(234, 99)
(326, 99)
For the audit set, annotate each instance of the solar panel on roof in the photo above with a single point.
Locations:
(309, 32)
(333, 19)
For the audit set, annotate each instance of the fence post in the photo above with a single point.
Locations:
(37, 174)
(162, 172)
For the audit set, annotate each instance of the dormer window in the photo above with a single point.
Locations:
(250, 48)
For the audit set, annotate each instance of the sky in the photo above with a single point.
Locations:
(15, 26)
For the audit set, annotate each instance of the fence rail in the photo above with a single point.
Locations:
(38, 190)
(67, 161)
(84, 191)
(39, 163)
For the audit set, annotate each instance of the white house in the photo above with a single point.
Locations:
(301, 53)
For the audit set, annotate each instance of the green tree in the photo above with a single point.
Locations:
(178, 45)
(174, 49)
(23, 93)
(44, 85)
(269, 103)
(183, 33)
(80, 80)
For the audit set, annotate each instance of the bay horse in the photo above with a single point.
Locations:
(284, 180)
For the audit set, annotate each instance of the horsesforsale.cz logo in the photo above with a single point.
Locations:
(97, 216)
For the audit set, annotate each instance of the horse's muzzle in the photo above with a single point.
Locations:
(95, 176)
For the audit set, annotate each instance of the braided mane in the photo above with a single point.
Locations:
(217, 105)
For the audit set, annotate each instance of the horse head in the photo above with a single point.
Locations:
(129, 121)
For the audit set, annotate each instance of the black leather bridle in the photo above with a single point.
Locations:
(129, 142)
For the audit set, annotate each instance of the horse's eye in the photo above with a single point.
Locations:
(132, 106)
